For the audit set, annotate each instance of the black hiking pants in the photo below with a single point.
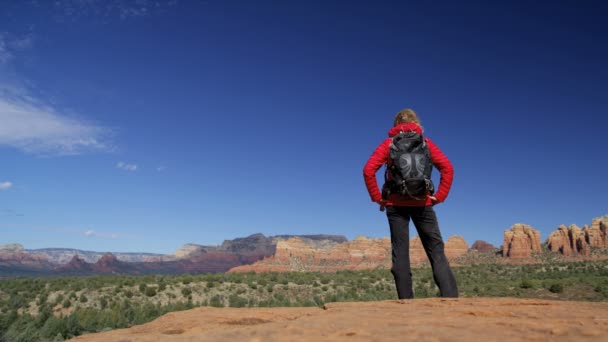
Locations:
(426, 224)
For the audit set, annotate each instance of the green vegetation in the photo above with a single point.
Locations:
(53, 309)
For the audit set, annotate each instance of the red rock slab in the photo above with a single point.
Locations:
(465, 319)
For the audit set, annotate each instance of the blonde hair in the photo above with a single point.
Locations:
(406, 115)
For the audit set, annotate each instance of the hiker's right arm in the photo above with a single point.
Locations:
(374, 163)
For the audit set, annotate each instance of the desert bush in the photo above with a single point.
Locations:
(150, 291)
(216, 301)
(186, 291)
(526, 284)
(237, 301)
(83, 298)
(556, 288)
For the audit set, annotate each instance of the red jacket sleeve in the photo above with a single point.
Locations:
(374, 163)
(443, 164)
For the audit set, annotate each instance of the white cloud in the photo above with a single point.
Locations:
(36, 128)
(126, 167)
(31, 125)
(93, 234)
(5, 185)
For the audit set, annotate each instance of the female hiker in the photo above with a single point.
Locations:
(408, 194)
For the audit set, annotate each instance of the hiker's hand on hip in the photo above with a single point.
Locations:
(382, 204)
(434, 200)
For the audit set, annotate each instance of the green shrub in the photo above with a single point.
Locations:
(526, 284)
(216, 301)
(150, 292)
(237, 301)
(556, 288)
(161, 286)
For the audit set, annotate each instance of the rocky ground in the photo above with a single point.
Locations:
(465, 319)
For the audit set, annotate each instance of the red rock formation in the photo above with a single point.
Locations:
(24, 259)
(520, 241)
(76, 264)
(578, 241)
(108, 263)
(483, 247)
(297, 254)
(559, 241)
(455, 247)
(575, 241)
(597, 235)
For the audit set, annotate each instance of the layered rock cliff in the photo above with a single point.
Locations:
(299, 254)
(302, 254)
(520, 241)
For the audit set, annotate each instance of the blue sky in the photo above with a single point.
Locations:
(144, 125)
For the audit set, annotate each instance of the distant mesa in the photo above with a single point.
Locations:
(188, 250)
(12, 248)
(520, 242)
(483, 247)
(252, 244)
(16, 261)
(302, 254)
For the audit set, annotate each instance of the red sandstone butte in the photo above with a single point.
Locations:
(520, 241)
(568, 241)
(482, 246)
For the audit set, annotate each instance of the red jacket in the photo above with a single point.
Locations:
(381, 157)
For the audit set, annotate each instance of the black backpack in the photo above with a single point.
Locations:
(409, 169)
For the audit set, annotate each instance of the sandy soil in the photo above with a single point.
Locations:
(465, 319)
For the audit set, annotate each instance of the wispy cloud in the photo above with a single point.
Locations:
(126, 166)
(161, 168)
(93, 234)
(5, 185)
(36, 128)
